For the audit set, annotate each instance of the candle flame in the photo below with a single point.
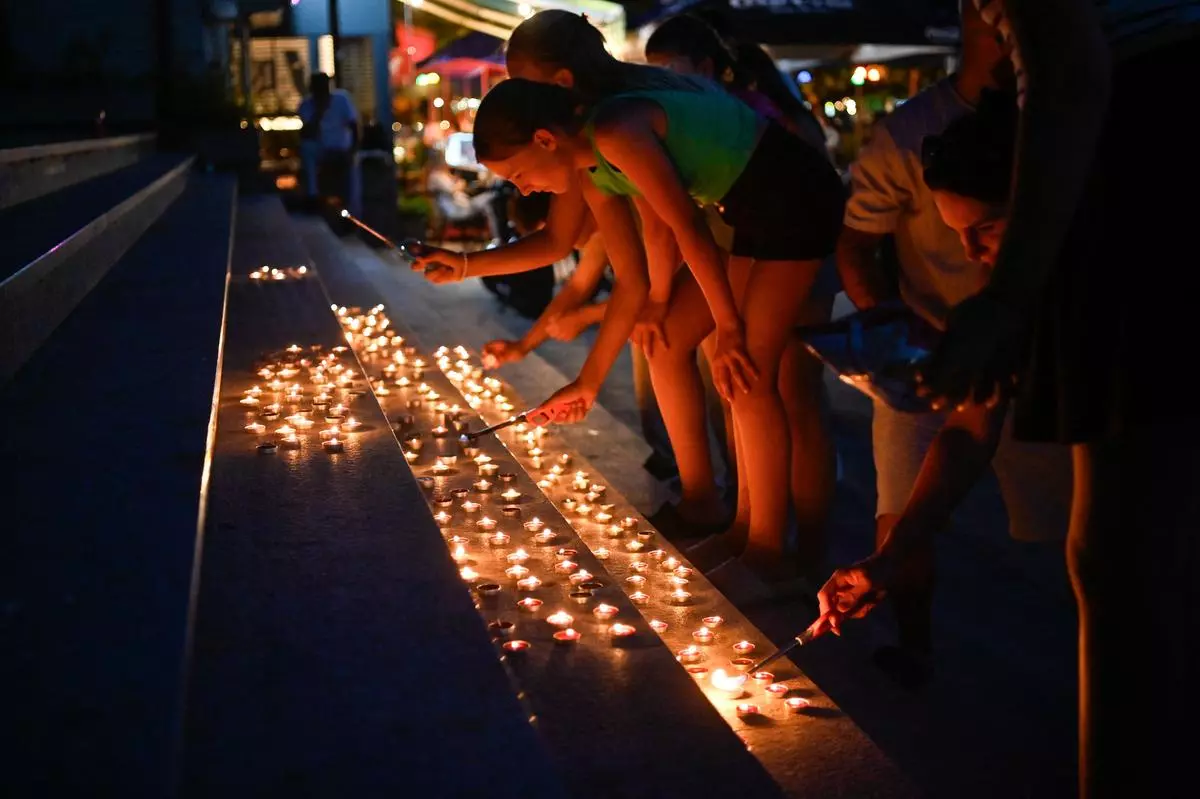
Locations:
(724, 681)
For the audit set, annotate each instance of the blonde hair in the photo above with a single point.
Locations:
(557, 39)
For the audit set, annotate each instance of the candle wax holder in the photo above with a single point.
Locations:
(517, 572)
(580, 597)
(658, 626)
(604, 612)
(484, 523)
(255, 428)
(580, 577)
(639, 567)
(545, 537)
(591, 585)
(534, 525)
(565, 566)
(743, 664)
(442, 518)
(763, 677)
(487, 589)
(507, 477)
(639, 598)
(635, 581)
(689, 654)
(743, 648)
(712, 621)
(498, 540)
(501, 628)
(516, 647)
(699, 672)
(797, 704)
(564, 553)
(567, 636)
(511, 511)
(530, 583)
(266, 446)
(458, 493)
(656, 554)
(746, 710)
(703, 635)
(530, 604)
(470, 507)
(777, 690)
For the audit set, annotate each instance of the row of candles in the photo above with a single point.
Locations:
(270, 273)
(463, 509)
(281, 411)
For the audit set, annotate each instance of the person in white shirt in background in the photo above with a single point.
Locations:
(329, 135)
(889, 196)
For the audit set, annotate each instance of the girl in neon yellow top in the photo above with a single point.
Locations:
(667, 149)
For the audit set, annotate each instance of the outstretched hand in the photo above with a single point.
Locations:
(438, 265)
(568, 405)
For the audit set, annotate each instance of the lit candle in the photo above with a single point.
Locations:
(732, 685)
(580, 577)
(249, 401)
(530, 583)
(604, 612)
(291, 441)
(517, 572)
(459, 554)
(519, 556)
(498, 539)
(713, 621)
(703, 635)
(602, 516)
(639, 598)
(564, 553)
(485, 522)
(515, 647)
(482, 486)
(560, 619)
(679, 597)
(634, 546)
(601, 553)
(534, 525)
(403, 382)
(442, 518)
(556, 470)
(530, 604)
(440, 467)
(579, 485)
(677, 582)
(797, 704)
(468, 574)
(351, 424)
(614, 531)
(629, 523)
(742, 664)
(545, 485)
(488, 469)
(535, 452)
(285, 430)
(470, 506)
(656, 554)
(743, 648)
(330, 432)
(683, 573)
(689, 654)
(670, 564)
(546, 536)
(567, 636)
(746, 709)
(510, 494)
(635, 581)
(597, 489)
(639, 567)
(413, 442)
(659, 627)
(255, 428)
(763, 677)
(565, 566)
(427, 483)
(301, 422)
(410, 456)
(439, 432)
(777, 690)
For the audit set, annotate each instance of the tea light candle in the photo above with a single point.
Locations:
(746, 709)
(556, 470)
(482, 458)
(249, 401)
(291, 441)
(601, 553)
(518, 557)
(579, 485)
(564, 553)
(636, 581)
(512, 511)
(440, 467)
(580, 596)
(351, 424)
(534, 525)
(507, 477)
(442, 500)
(591, 585)
(604, 611)
(410, 456)
(622, 630)
(742, 664)
(515, 647)
(510, 495)
(639, 567)
(427, 483)
(488, 469)
(699, 672)
(484, 523)
(458, 493)
(777, 690)
(266, 446)
(414, 443)
(534, 452)
(670, 564)
(689, 654)
(498, 540)
(470, 506)
(683, 572)
(530, 604)
(590, 497)
(565, 458)
(677, 582)
(645, 536)
(545, 485)
(517, 572)
(488, 589)
(468, 574)
(712, 621)
(546, 536)
(639, 598)
(459, 554)
(732, 685)
(703, 635)
(614, 531)
(570, 503)
(530, 583)
(634, 546)
(482, 486)
(332, 444)
(565, 566)
(629, 523)
(560, 619)
(254, 428)
(439, 432)
(567, 636)
(597, 489)
(285, 430)
(658, 626)
(656, 554)
(743, 648)
(763, 677)
(580, 577)
(458, 539)
(679, 597)
(304, 423)
(797, 704)
(602, 516)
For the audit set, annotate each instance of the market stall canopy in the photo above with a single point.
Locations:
(497, 18)
(823, 22)
(471, 55)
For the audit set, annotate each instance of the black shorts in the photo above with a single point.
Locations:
(1113, 341)
(787, 203)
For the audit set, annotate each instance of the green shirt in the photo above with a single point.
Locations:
(710, 137)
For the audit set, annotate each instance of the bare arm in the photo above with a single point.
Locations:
(858, 265)
(615, 220)
(957, 459)
(577, 290)
(1068, 75)
(662, 251)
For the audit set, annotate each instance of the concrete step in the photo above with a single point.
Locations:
(59, 246)
(336, 650)
(33, 171)
(105, 445)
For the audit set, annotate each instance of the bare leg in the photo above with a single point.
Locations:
(774, 296)
(680, 393)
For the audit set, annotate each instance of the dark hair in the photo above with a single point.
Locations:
(974, 156)
(760, 69)
(515, 109)
(530, 211)
(563, 40)
(691, 37)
